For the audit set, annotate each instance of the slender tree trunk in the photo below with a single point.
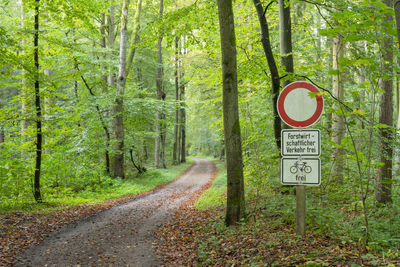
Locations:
(119, 98)
(265, 40)
(160, 143)
(111, 41)
(235, 209)
(23, 74)
(103, 123)
(397, 16)
(183, 110)
(285, 27)
(383, 193)
(183, 126)
(103, 45)
(135, 36)
(175, 157)
(338, 124)
(157, 141)
(2, 135)
(39, 136)
(104, 78)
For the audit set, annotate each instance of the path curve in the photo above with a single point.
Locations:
(122, 235)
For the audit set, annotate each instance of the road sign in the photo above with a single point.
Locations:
(298, 107)
(301, 142)
(301, 171)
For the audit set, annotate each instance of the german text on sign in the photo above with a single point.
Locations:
(301, 143)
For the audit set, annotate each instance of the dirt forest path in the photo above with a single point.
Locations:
(122, 235)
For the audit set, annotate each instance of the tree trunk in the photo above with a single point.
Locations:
(39, 136)
(183, 111)
(175, 157)
(235, 209)
(285, 27)
(157, 141)
(2, 135)
(111, 40)
(24, 81)
(103, 45)
(272, 68)
(397, 16)
(338, 124)
(104, 77)
(160, 143)
(135, 36)
(383, 193)
(119, 98)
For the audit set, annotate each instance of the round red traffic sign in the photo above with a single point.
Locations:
(297, 108)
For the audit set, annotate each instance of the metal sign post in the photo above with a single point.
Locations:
(300, 105)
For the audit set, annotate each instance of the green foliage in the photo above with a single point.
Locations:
(215, 196)
(89, 188)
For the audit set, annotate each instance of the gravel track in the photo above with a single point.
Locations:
(122, 235)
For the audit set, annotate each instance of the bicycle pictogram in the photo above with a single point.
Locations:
(300, 166)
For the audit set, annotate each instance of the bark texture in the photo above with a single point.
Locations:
(119, 98)
(338, 123)
(135, 36)
(383, 193)
(39, 133)
(159, 153)
(235, 209)
(285, 27)
(397, 16)
(111, 40)
(175, 156)
(182, 128)
(265, 40)
(24, 81)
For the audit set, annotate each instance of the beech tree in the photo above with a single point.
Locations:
(383, 193)
(39, 133)
(275, 79)
(235, 206)
(119, 98)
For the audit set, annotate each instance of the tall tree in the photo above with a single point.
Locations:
(338, 123)
(182, 125)
(285, 27)
(175, 153)
(23, 73)
(235, 207)
(160, 116)
(265, 40)
(135, 36)
(383, 193)
(397, 17)
(119, 98)
(39, 133)
(111, 40)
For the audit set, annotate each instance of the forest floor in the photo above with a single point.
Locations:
(117, 233)
(162, 228)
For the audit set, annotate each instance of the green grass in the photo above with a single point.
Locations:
(106, 188)
(214, 197)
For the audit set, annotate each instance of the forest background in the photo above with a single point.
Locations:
(96, 96)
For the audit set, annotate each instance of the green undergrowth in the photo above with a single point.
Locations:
(214, 197)
(58, 198)
(334, 222)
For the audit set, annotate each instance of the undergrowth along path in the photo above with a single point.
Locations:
(122, 235)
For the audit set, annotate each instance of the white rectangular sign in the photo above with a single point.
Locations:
(296, 171)
(300, 142)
